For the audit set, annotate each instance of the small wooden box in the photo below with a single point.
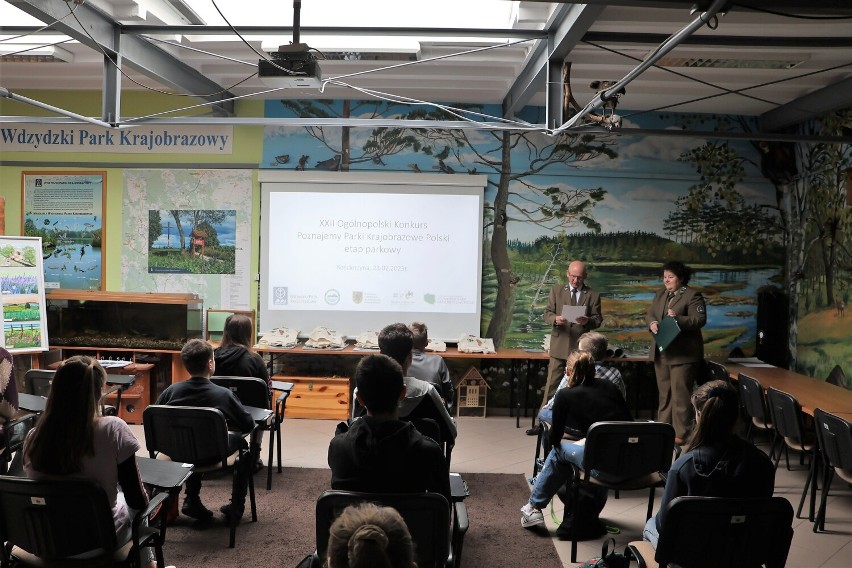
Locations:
(317, 397)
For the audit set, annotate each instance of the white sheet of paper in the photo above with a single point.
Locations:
(571, 313)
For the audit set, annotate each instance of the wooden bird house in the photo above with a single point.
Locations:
(472, 394)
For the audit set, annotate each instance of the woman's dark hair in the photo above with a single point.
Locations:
(238, 330)
(717, 407)
(583, 369)
(369, 536)
(65, 431)
(679, 269)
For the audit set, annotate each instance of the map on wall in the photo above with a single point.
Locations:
(202, 219)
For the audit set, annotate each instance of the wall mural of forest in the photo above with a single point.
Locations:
(744, 215)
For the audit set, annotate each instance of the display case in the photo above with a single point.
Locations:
(127, 320)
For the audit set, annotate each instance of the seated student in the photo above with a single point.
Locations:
(8, 389)
(71, 439)
(596, 344)
(234, 358)
(546, 412)
(380, 453)
(421, 398)
(717, 462)
(583, 402)
(369, 536)
(429, 367)
(197, 357)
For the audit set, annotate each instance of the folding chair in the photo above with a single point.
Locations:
(198, 436)
(635, 453)
(835, 444)
(46, 523)
(427, 516)
(253, 391)
(714, 532)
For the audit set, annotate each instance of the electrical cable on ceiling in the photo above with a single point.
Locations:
(38, 30)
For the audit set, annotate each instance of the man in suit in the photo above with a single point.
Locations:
(565, 334)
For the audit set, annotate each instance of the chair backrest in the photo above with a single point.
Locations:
(752, 397)
(38, 381)
(786, 414)
(55, 519)
(14, 433)
(251, 391)
(838, 378)
(427, 516)
(835, 439)
(628, 450)
(714, 371)
(186, 434)
(714, 532)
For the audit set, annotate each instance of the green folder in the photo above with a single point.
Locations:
(667, 331)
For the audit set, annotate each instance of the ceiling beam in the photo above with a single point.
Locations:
(570, 23)
(812, 105)
(799, 7)
(722, 40)
(95, 30)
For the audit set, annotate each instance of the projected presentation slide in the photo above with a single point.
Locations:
(357, 257)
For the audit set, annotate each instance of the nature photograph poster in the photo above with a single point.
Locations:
(192, 241)
(66, 210)
(22, 292)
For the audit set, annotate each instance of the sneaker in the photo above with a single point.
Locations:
(194, 508)
(229, 510)
(530, 516)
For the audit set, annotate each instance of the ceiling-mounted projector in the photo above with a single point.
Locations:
(291, 67)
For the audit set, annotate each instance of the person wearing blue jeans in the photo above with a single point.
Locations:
(583, 402)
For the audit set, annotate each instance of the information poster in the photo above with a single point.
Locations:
(22, 292)
(66, 210)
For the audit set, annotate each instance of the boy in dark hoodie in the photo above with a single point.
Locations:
(379, 453)
(717, 462)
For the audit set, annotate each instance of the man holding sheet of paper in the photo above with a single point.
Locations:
(572, 310)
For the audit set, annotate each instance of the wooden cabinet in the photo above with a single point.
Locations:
(316, 397)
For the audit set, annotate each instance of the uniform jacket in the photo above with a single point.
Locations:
(563, 339)
(691, 315)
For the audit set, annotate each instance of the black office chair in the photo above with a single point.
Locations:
(427, 516)
(428, 408)
(14, 434)
(634, 452)
(37, 381)
(835, 444)
(754, 403)
(253, 391)
(788, 418)
(285, 389)
(715, 532)
(198, 436)
(713, 371)
(46, 523)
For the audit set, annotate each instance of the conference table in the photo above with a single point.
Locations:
(810, 392)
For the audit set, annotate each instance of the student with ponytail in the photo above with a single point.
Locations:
(369, 536)
(73, 439)
(716, 462)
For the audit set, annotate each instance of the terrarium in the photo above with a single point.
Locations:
(128, 320)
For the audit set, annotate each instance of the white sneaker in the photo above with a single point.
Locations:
(530, 516)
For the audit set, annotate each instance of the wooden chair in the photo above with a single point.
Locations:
(714, 532)
(427, 516)
(198, 436)
(632, 452)
(835, 444)
(46, 523)
(253, 391)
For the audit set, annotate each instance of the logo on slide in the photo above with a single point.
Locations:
(357, 297)
(429, 298)
(280, 295)
(332, 297)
